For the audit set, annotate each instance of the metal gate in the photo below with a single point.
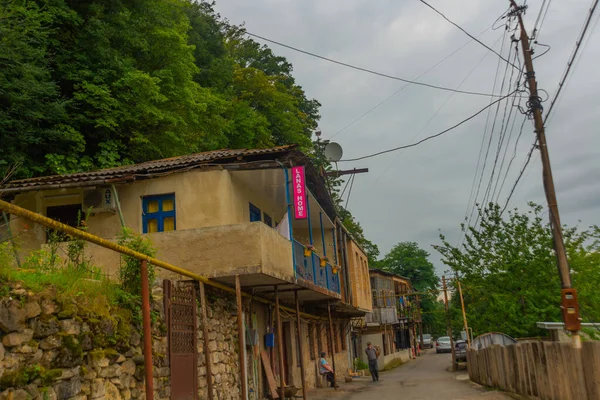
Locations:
(181, 313)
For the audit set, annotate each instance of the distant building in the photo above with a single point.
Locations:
(390, 325)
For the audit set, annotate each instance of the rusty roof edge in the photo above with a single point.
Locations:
(388, 274)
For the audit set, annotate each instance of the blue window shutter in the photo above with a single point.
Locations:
(255, 213)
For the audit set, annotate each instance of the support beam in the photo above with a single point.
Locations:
(147, 330)
(332, 344)
(209, 383)
(347, 172)
(279, 345)
(241, 338)
(300, 346)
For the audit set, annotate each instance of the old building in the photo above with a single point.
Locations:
(262, 216)
(391, 324)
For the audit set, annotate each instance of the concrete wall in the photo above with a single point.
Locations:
(359, 277)
(546, 370)
(202, 199)
(251, 247)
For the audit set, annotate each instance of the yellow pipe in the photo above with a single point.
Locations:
(52, 224)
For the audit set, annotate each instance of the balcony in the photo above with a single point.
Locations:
(256, 252)
(309, 270)
(384, 315)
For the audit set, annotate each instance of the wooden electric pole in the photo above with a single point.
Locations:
(569, 304)
(420, 322)
(449, 322)
(462, 306)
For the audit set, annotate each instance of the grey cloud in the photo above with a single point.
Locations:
(413, 194)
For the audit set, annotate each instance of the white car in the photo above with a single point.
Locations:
(442, 345)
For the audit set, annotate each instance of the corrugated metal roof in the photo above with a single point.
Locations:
(147, 169)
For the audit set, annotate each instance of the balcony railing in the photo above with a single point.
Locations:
(309, 269)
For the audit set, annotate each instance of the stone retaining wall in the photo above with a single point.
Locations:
(53, 351)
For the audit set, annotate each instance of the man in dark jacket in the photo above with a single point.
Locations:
(372, 355)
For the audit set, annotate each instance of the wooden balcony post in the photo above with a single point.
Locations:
(279, 344)
(241, 337)
(300, 345)
(332, 344)
(209, 383)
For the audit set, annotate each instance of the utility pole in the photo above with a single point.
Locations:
(420, 322)
(449, 322)
(569, 304)
(462, 305)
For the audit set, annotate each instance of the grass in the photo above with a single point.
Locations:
(44, 272)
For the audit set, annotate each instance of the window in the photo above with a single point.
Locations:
(255, 214)
(343, 337)
(158, 213)
(71, 215)
(267, 220)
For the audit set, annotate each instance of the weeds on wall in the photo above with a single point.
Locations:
(129, 272)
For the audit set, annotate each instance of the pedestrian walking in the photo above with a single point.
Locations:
(325, 369)
(372, 356)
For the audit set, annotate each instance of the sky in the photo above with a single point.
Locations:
(416, 193)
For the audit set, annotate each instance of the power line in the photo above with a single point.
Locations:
(432, 136)
(512, 158)
(512, 191)
(468, 34)
(572, 58)
(413, 82)
(536, 32)
(406, 85)
(440, 108)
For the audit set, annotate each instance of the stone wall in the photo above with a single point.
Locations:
(223, 346)
(54, 350)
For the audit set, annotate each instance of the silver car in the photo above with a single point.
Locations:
(442, 345)
(427, 341)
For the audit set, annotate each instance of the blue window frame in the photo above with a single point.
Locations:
(267, 219)
(158, 213)
(255, 214)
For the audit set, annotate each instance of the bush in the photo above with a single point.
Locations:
(360, 364)
(129, 272)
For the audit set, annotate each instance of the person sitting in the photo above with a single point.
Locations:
(325, 369)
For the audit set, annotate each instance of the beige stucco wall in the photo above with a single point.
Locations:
(359, 277)
(225, 250)
(202, 199)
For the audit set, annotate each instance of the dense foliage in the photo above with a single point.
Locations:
(509, 276)
(90, 84)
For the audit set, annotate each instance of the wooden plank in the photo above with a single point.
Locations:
(269, 374)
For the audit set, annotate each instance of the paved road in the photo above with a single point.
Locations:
(426, 377)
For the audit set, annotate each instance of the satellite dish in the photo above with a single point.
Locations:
(333, 152)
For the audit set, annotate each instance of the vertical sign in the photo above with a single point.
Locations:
(298, 184)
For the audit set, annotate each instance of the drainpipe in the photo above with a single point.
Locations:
(289, 212)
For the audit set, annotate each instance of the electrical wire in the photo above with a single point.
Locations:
(512, 158)
(572, 58)
(432, 136)
(512, 191)
(536, 31)
(350, 190)
(369, 70)
(468, 34)
(406, 85)
(468, 217)
(439, 109)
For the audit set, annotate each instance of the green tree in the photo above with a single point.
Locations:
(508, 271)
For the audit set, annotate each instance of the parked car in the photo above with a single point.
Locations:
(460, 350)
(442, 345)
(427, 341)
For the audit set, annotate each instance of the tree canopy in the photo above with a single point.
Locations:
(90, 84)
(508, 271)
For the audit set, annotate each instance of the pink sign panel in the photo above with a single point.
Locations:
(299, 190)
